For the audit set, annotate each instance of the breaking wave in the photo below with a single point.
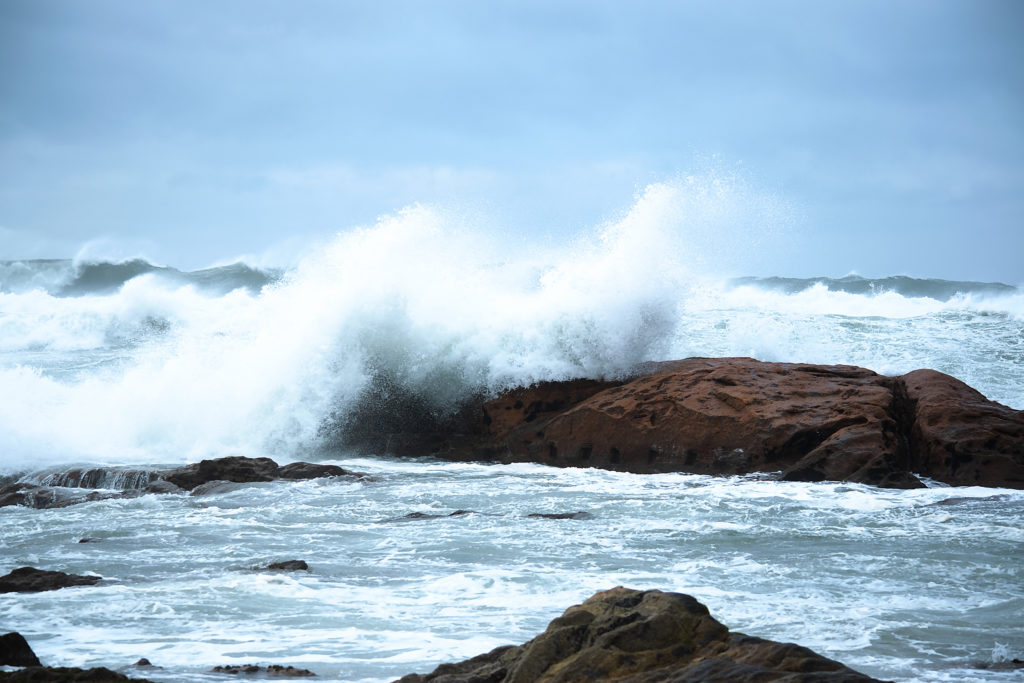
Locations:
(130, 362)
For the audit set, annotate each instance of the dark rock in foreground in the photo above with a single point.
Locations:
(15, 651)
(641, 637)
(39, 674)
(737, 415)
(31, 580)
(208, 477)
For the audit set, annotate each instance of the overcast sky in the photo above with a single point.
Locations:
(194, 131)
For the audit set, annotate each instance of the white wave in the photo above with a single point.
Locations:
(161, 372)
(417, 296)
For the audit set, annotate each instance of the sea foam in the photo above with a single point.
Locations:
(163, 369)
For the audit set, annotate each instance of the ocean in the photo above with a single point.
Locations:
(133, 366)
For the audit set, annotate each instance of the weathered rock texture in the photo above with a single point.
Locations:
(738, 415)
(207, 477)
(32, 580)
(641, 637)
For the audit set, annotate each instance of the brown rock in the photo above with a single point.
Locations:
(31, 580)
(958, 436)
(717, 416)
(642, 636)
(15, 651)
(242, 470)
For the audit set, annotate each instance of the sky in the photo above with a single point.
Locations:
(194, 132)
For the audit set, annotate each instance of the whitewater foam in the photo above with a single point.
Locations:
(165, 370)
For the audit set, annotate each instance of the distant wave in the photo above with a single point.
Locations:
(940, 290)
(67, 278)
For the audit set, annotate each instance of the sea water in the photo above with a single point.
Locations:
(138, 366)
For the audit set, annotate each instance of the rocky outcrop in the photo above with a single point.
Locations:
(48, 497)
(725, 416)
(32, 580)
(738, 415)
(15, 651)
(636, 636)
(239, 469)
(287, 566)
(957, 435)
(60, 674)
(272, 671)
(207, 477)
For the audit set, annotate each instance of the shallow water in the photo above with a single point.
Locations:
(919, 585)
(134, 364)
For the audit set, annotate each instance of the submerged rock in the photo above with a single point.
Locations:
(641, 637)
(561, 515)
(427, 515)
(32, 580)
(287, 566)
(235, 469)
(219, 475)
(15, 651)
(274, 670)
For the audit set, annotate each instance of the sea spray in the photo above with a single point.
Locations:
(421, 311)
(416, 299)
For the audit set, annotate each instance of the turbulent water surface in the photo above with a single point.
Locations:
(136, 365)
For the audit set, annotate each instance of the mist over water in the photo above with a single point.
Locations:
(130, 362)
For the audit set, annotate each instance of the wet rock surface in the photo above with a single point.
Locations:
(730, 416)
(641, 637)
(561, 515)
(32, 580)
(428, 515)
(242, 470)
(287, 566)
(958, 436)
(273, 671)
(207, 477)
(48, 674)
(15, 651)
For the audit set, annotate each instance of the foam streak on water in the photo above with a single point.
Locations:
(908, 585)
